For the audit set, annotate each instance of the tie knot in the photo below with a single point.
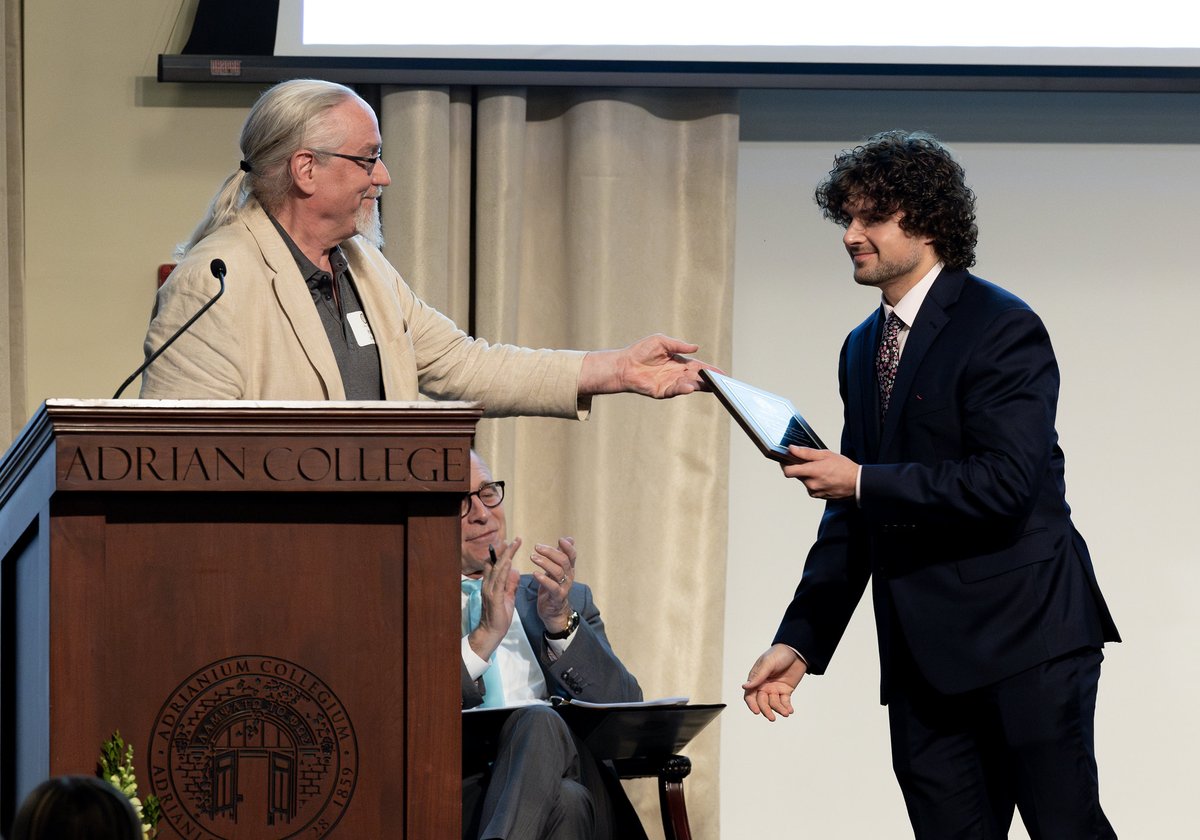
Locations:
(471, 585)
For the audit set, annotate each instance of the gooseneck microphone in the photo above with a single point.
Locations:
(217, 267)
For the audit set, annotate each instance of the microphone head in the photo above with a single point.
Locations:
(217, 267)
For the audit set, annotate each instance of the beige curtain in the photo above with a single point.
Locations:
(12, 240)
(588, 219)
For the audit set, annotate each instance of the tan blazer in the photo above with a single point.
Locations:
(263, 339)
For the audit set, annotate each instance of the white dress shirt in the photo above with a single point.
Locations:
(520, 673)
(906, 310)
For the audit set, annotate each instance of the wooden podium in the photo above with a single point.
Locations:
(259, 596)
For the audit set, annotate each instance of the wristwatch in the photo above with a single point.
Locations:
(572, 623)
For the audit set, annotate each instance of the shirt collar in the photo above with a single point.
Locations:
(308, 269)
(909, 305)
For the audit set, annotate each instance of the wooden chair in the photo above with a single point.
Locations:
(670, 771)
(639, 741)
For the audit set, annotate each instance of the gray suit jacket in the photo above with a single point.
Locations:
(588, 670)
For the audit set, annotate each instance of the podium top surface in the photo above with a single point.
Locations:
(336, 406)
(68, 414)
(436, 405)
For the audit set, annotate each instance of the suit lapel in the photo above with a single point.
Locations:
(526, 606)
(931, 318)
(296, 302)
(861, 384)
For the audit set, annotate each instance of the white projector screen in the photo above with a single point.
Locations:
(1151, 33)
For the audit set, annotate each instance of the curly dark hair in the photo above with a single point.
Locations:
(912, 173)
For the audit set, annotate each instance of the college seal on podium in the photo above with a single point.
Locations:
(253, 746)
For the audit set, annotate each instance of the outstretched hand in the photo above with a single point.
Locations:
(775, 675)
(657, 366)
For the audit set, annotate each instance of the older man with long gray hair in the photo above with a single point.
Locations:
(314, 311)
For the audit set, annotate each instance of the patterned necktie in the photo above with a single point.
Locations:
(493, 685)
(887, 360)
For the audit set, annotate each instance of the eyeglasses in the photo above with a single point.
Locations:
(489, 495)
(367, 162)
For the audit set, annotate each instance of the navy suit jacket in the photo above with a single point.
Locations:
(587, 670)
(962, 522)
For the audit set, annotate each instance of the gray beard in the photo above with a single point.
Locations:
(368, 225)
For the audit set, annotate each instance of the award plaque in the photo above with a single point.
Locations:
(770, 420)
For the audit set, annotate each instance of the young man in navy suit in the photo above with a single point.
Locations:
(948, 493)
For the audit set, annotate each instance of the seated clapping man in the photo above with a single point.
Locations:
(526, 638)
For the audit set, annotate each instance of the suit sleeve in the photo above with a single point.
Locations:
(507, 379)
(472, 691)
(588, 669)
(835, 573)
(978, 459)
